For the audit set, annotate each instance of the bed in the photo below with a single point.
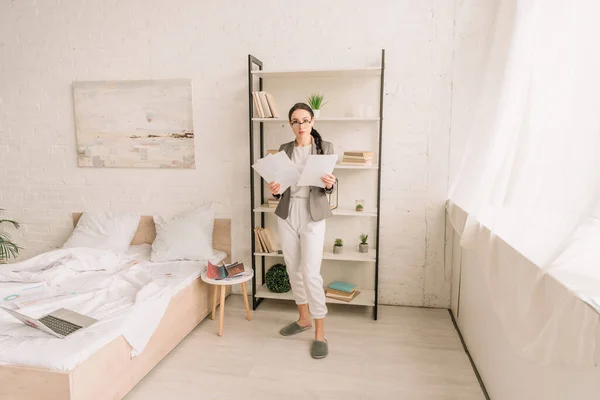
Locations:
(113, 362)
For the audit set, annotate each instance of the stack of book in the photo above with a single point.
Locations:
(264, 240)
(358, 158)
(225, 271)
(264, 103)
(272, 202)
(341, 291)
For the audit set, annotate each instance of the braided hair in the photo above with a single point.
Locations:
(316, 135)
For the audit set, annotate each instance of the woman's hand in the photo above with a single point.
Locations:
(329, 180)
(274, 188)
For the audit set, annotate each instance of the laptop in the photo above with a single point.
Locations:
(60, 323)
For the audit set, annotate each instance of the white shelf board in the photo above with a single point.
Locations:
(349, 254)
(365, 298)
(337, 211)
(370, 71)
(320, 119)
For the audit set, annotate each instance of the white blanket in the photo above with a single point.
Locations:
(128, 297)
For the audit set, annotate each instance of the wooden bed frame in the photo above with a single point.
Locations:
(111, 373)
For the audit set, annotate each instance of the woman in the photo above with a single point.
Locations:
(302, 211)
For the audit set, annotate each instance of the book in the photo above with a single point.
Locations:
(265, 242)
(260, 246)
(347, 298)
(359, 158)
(342, 286)
(219, 272)
(355, 161)
(269, 239)
(358, 153)
(257, 105)
(272, 106)
(357, 164)
(262, 95)
(339, 292)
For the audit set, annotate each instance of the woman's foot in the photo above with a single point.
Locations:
(295, 328)
(319, 349)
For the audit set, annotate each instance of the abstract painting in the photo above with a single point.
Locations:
(140, 124)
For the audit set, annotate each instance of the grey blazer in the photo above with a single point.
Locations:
(317, 198)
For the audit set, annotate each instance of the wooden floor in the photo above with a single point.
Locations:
(410, 353)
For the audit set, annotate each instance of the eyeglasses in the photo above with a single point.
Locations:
(296, 123)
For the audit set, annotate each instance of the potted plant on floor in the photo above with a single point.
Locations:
(315, 101)
(338, 246)
(363, 246)
(8, 249)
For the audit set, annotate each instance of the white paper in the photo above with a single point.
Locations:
(278, 168)
(317, 166)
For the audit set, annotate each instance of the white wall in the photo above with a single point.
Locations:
(473, 35)
(46, 45)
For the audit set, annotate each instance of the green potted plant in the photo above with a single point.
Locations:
(277, 279)
(315, 101)
(8, 249)
(338, 246)
(363, 246)
(360, 205)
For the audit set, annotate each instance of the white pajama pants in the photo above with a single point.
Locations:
(302, 244)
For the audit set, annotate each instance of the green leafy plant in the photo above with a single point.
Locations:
(315, 101)
(277, 279)
(363, 238)
(8, 249)
(359, 207)
(339, 242)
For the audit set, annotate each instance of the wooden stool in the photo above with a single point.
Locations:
(222, 284)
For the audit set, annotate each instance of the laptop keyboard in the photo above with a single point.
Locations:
(59, 326)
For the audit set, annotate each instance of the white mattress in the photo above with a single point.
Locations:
(127, 294)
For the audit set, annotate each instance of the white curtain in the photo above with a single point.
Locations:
(530, 172)
(531, 168)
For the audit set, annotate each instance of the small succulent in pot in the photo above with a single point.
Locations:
(338, 246)
(363, 246)
(360, 205)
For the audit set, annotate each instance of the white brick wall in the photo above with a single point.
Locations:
(46, 45)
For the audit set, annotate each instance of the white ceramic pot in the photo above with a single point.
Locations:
(317, 113)
(338, 249)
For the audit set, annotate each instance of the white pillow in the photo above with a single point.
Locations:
(104, 231)
(218, 257)
(187, 236)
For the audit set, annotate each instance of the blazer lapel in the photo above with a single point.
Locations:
(289, 149)
(313, 148)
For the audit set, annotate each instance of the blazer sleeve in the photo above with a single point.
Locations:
(329, 150)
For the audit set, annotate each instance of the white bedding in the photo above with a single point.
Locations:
(127, 294)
